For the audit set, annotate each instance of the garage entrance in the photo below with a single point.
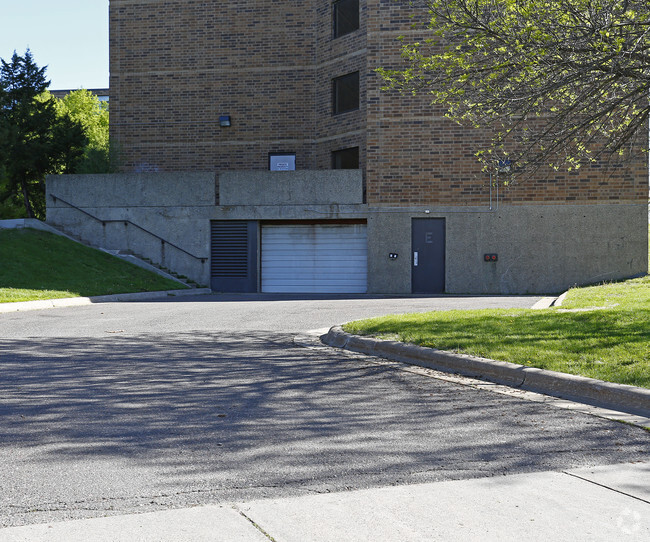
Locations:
(314, 258)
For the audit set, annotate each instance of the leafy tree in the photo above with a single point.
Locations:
(85, 108)
(9, 207)
(558, 82)
(35, 140)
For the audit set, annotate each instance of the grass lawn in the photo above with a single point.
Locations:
(39, 265)
(610, 342)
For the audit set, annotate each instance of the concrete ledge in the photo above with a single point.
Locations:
(130, 258)
(301, 187)
(32, 223)
(78, 301)
(560, 300)
(544, 303)
(578, 388)
(129, 190)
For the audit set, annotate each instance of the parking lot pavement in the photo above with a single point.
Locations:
(118, 409)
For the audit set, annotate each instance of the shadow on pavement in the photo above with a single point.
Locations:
(246, 409)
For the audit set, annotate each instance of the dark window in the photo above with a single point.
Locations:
(346, 158)
(345, 93)
(346, 17)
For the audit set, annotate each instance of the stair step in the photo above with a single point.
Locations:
(182, 278)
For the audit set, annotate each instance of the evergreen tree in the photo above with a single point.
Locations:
(34, 139)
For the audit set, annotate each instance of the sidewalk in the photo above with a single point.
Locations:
(19, 306)
(589, 504)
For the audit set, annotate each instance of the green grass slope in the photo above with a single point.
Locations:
(600, 332)
(39, 265)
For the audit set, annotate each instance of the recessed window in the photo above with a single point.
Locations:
(346, 158)
(345, 93)
(346, 17)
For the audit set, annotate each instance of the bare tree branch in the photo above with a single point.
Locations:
(559, 82)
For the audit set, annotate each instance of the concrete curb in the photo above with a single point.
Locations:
(544, 303)
(577, 388)
(560, 300)
(79, 301)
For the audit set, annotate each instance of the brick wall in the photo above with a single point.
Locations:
(417, 157)
(177, 65)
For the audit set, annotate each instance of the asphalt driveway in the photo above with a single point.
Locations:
(131, 407)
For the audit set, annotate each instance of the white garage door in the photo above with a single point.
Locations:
(315, 258)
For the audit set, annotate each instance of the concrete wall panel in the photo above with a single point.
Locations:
(389, 233)
(540, 248)
(174, 207)
(133, 189)
(304, 187)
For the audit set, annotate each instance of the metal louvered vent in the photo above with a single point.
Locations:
(229, 241)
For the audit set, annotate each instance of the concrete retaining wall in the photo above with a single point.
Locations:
(179, 207)
(32, 223)
(302, 187)
(540, 248)
(175, 207)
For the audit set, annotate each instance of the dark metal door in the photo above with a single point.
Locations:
(428, 255)
(233, 256)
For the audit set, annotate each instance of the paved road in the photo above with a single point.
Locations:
(134, 407)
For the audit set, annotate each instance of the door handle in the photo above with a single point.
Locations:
(415, 259)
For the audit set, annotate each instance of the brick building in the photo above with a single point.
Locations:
(386, 196)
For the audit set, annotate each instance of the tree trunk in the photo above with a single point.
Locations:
(28, 205)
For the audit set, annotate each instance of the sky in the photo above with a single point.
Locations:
(70, 37)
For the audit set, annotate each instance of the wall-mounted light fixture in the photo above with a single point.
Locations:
(224, 121)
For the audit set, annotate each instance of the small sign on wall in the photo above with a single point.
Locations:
(282, 162)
